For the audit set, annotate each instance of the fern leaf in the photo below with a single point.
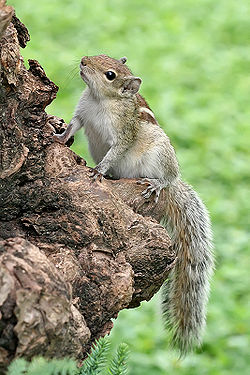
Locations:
(118, 364)
(66, 366)
(96, 359)
(42, 366)
(18, 367)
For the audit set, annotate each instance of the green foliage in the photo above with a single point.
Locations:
(18, 367)
(118, 364)
(96, 363)
(194, 58)
(42, 366)
(96, 359)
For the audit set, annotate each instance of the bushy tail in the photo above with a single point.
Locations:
(185, 292)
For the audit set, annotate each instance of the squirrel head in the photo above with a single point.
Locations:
(108, 77)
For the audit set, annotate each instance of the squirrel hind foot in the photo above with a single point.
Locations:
(96, 175)
(154, 185)
(60, 138)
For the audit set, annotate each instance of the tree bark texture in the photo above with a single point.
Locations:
(73, 252)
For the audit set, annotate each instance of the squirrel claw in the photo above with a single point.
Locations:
(148, 192)
(96, 175)
(143, 181)
(153, 186)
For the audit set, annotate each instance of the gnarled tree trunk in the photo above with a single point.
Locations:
(73, 252)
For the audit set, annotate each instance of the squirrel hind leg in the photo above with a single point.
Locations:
(153, 185)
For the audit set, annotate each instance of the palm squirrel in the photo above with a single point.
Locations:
(126, 141)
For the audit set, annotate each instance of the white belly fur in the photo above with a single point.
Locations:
(101, 135)
(97, 126)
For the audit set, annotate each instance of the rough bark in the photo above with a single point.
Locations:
(73, 252)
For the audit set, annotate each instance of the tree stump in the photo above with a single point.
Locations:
(73, 252)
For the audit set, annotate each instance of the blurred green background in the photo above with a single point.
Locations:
(194, 59)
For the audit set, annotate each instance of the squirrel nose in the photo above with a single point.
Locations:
(84, 61)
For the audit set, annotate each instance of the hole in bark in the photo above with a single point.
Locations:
(8, 339)
(100, 222)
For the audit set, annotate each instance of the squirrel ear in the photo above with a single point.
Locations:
(123, 59)
(131, 85)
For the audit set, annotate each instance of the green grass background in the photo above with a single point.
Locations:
(194, 59)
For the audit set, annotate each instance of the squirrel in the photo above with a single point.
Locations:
(126, 141)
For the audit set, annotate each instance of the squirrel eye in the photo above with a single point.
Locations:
(110, 75)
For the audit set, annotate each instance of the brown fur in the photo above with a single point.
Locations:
(104, 63)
